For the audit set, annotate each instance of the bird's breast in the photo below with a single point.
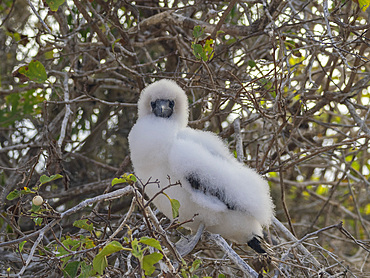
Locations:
(150, 142)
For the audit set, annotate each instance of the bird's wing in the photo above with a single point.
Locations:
(214, 178)
(207, 140)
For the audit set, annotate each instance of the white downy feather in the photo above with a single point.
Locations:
(228, 197)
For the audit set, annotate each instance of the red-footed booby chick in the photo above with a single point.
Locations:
(228, 197)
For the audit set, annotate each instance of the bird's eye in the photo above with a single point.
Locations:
(171, 104)
(152, 104)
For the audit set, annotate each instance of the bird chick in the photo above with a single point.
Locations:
(228, 197)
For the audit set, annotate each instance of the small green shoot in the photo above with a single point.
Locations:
(175, 205)
(125, 178)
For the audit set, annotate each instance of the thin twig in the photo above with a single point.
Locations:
(223, 18)
(278, 225)
(30, 256)
(360, 123)
(237, 260)
(38, 16)
(238, 140)
(68, 112)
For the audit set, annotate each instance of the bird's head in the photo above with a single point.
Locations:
(164, 99)
(163, 107)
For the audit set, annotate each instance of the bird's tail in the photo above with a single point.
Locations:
(259, 245)
(263, 262)
(255, 244)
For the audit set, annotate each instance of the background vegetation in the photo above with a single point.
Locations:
(295, 74)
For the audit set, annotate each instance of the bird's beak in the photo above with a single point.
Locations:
(162, 107)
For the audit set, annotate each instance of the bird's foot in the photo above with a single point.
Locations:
(185, 245)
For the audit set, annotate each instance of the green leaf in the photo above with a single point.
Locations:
(221, 275)
(198, 32)
(49, 54)
(197, 50)
(118, 181)
(196, 264)
(204, 52)
(174, 204)
(100, 263)
(35, 71)
(124, 178)
(136, 249)
(111, 248)
(151, 242)
(132, 178)
(208, 47)
(114, 43)
(21, 245)
(20, 105)
(175, 207)
(35, 208)
(71, 243)
(27, 190)
(86, 271)
(87, 242)
(367, 209)
(203, 55)
(13, 195)
(364, 4)
(149, 261)
(54, 4)
(251, 63)
(45, 179)
(17, 193)
(71, 269)
(219, 32)
(322, 190)
(38, 221)
(84, 224)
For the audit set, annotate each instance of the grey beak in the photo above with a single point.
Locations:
(162, 107)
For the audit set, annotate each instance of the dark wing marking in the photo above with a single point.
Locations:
(255, 244)
(196, 184)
